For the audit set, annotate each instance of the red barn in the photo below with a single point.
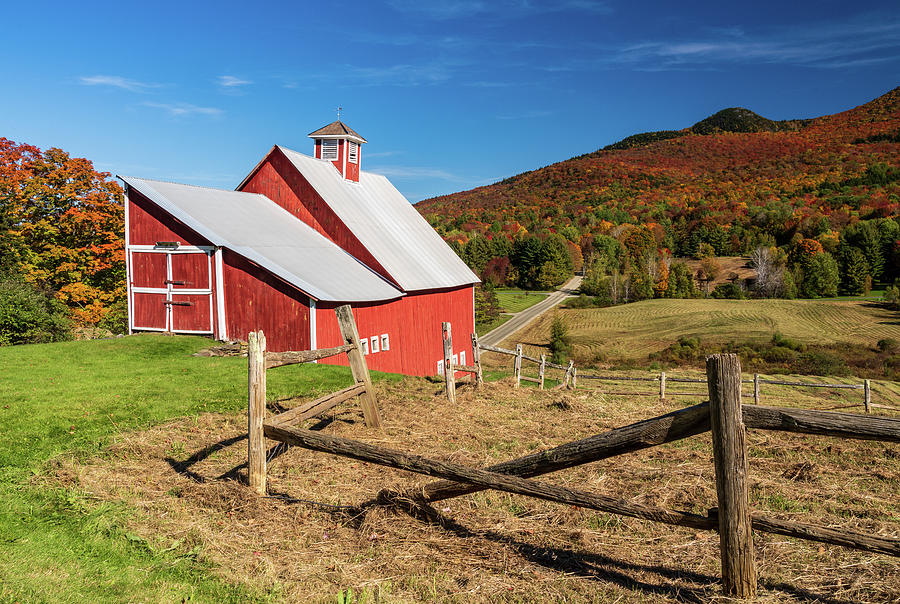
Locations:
(301, 236)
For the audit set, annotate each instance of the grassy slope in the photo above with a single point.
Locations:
(634, 330)
(516, 301)
(71, 398)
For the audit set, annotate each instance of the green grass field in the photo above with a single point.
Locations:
(633, 331)
(69, 399)
(513, 301)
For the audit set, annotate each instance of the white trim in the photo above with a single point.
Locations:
(176, 292)
(220, 295)
(160, 329)
(209, 281)
(312, 325)
(344, 155)
(128, 300)
(385, 342)
(349, 137)
(193, 331)
(181, 249)
(373, 344)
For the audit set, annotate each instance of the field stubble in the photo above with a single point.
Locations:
(493, 546)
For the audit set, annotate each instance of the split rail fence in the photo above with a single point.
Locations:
(571, 375)
(259, 361)
(723, 415)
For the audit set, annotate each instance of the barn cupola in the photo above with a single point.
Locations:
(341, 145)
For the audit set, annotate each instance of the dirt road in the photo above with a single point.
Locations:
(521, 319)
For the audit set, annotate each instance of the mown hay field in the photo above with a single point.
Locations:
(491, 546)
(632, 331)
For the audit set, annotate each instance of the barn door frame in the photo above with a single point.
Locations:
(170, 290)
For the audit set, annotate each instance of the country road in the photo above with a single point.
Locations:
(521, 319)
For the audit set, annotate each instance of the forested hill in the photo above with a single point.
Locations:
(734, 180)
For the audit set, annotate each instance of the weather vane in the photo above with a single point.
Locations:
(339, 113)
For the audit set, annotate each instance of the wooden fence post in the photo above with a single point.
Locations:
(542, 369)
(449, 371)
(867, 392)
(755, 388)
(518, 364)
(476, 360)
(569, 370)
(723, 373)
(574, 376)
(256, 411)
(662, 385)
(358, 366)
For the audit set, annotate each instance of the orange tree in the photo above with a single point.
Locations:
(62, 227)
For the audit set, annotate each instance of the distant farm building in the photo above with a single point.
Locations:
(300, 236)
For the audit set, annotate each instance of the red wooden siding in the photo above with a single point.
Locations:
(256, 299)
(353, 169)
(191, 271)
(278, 179)
(148, 223)
(195, 317)
(413, 326)
(148, 269)
(149, 311)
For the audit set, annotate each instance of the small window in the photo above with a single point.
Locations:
(374, 346)
(462, 357)
(330, 149)
(365, 346)
(455, 360)
(352, 152)
(385, 343)
(440, 368)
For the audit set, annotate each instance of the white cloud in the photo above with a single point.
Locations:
(117, 82)
(185, 109)
(415, 172)
(229, 81)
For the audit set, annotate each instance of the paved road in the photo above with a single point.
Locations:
(523, 318)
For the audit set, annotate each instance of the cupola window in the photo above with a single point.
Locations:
(352, 152)
(330, 149)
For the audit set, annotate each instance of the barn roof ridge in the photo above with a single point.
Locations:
(384, 221)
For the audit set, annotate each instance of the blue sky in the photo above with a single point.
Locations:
(450, 95)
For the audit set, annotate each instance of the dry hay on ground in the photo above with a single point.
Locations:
(493, 546)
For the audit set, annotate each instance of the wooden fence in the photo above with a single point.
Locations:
(568, 380)
(259, 361)
(723, 415)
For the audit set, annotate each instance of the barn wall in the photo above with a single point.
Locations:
(413, 325)
(256, 299)
(279, 180)
(147, 224)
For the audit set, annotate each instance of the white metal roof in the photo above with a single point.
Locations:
(399, 238)
(260, 230)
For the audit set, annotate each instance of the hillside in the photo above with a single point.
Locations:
(749, 177)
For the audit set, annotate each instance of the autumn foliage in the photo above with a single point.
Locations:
(62, 228)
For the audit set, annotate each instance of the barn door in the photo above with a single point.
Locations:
(171, 290)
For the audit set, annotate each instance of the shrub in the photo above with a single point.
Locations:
(29, 315)
(780, 354)
(889, 345)
(821, 363)
(560, 343)
(779, 340)
(731, 291)
(116, 318)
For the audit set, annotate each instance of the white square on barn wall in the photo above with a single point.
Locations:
(385, 342)
(365, 346)
(455, 360)
(462, 357)
(440, 368)
(374, 346)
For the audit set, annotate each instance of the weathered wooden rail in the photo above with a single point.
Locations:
(568, 380)
(723, 415)
(259, 361)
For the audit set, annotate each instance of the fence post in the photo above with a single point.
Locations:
(476, 360)
(449, 371)
(256, 411)
(755, 388)
(723, 372)
(358, 366)
(569, 370)
(662, 385)
(574, 375)
(541, 370)
(518, 364)
(867, 389)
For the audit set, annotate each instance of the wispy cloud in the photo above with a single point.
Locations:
(229, 81)
(525, 115)
(382, 154)
(855, 43)
(118, 82)
(185, 109)
(415, 172)
(455, 9)
(402, 74)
